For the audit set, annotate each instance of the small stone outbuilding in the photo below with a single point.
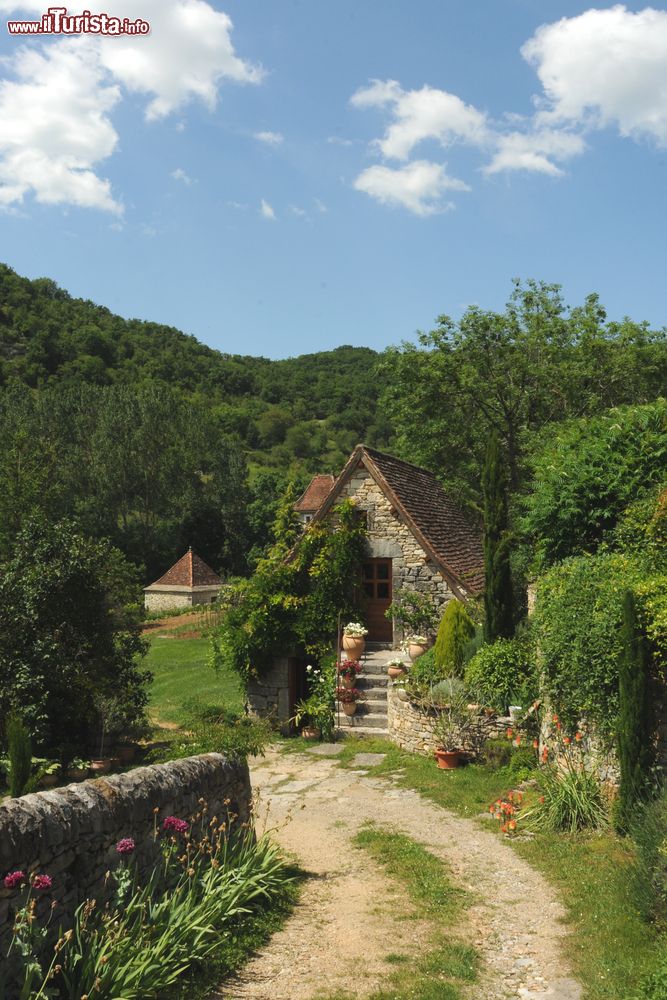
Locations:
(418, 539)
(189, 582)
(313, 497)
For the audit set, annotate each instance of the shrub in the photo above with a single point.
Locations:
(497, 753)
(571, 800)
(424, 673)
(523, 763)
(649, 831)
(215, 729)
(634, 720)
(19, 747)
(447, 690)
(502, 673)
(455, 632)
(414, 613)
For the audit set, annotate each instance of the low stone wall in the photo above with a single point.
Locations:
(70, 833)
(269, 695)
(411, 726)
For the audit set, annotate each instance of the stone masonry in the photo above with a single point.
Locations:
(411, 725)
(70, 833)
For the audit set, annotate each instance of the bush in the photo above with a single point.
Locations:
(447, 690)
(634, 720)
(455, 632)
(19, 748)
(649, 831)
(577, 622)
(571, 800)
(502, 674)
(215, 729)
(497, 753)
(523, 763)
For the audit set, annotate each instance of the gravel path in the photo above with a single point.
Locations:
(342, 930)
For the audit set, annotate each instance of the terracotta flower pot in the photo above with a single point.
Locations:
(347, 682)
(416, 649)
(349, 707)
(126, 753)
(101, 766)
(448, 759)
(354, 646)
(310, 733)
(395, 672)
(77, 773)
(48, 781)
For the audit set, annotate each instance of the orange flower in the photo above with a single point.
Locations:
(578, 737)
(536, 744)
(555, 718)
(517, 741)
(566, 741)
(492, 809)
(503, 828)
(509, 734)
(542, 799)
(512, 824)
(558, 726)
(519, 797)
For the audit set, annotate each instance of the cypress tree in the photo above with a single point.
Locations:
(498, 600)
(634, 721)
(19, 751)
(455, 632)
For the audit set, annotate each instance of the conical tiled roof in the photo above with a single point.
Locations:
(189, 571)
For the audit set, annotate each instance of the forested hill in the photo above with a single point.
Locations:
(303, 414)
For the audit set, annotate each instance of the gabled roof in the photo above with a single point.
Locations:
(189, 571)
(439, 525)
(315, 495)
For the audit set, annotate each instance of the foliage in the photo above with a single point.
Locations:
(648, 827)
(511, 373)
(424, 673)
(587, 472)
(634, 718)
(413, 612)
(216, 729)
(318, 708)
(68, 636)
(153, 931)
(455, 722)
(578, 620)
(294, 602)
(454, 633)
(19, 752)
(504, 673)
(444, 691)
(654, 987)
(571, 798)
(498, 597)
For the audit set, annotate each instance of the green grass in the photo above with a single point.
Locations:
(610, 948)
(181, 673)
(425, 883)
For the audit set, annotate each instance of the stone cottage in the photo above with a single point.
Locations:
(189, 581)
(313, 497)
(417, 539)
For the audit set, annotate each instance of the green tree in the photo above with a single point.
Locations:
(454, 633)
(634, 715)
(19, 753)
(69, 632)
(498, 598)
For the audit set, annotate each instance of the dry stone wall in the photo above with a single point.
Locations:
(411, 725)
(70, 833)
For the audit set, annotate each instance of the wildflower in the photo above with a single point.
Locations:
(509, 733)
(541, 800)
(175, 824)
(512, 824)
(578, 737)
(536, 744)
(42, 883)
(517, 741)
(309, 668)
(566, 741)
(14, 880)
(503, 828)
(125, 846)
(555, 718)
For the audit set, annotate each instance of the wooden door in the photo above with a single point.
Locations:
(376, 583)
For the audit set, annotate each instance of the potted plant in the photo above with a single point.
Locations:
(348, 698)
(354, 639)
(317, 710)
(454, 724)
(414, 614)
(348, 671)
(417, 644)
(78, 769)
(396, 668)
(47, 772)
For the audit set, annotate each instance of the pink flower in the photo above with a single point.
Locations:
(42, 883)
(14, 880)
(125, 846)
(175, 825)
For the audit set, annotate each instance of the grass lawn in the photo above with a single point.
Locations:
(181, 674)
(610, 947)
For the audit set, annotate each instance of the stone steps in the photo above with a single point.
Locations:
(370, 718)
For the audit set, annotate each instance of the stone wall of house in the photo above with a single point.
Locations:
(159, 600)
(389, 537)
(70, 833)
(268, 695)
(411, 725)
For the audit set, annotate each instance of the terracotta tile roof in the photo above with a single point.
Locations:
(315, 495)
(189, 571)
(443, 530)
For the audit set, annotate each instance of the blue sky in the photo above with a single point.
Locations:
(283, 177)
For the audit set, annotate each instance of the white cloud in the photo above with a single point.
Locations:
(180, 175)
(55, 129)
(605, 67)
(299, 212)
(534, 151)
(270, 138)
(419, 186)
(336, 140)
(266, 211)
(56, 100)
(320, 206)
(417, 115)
